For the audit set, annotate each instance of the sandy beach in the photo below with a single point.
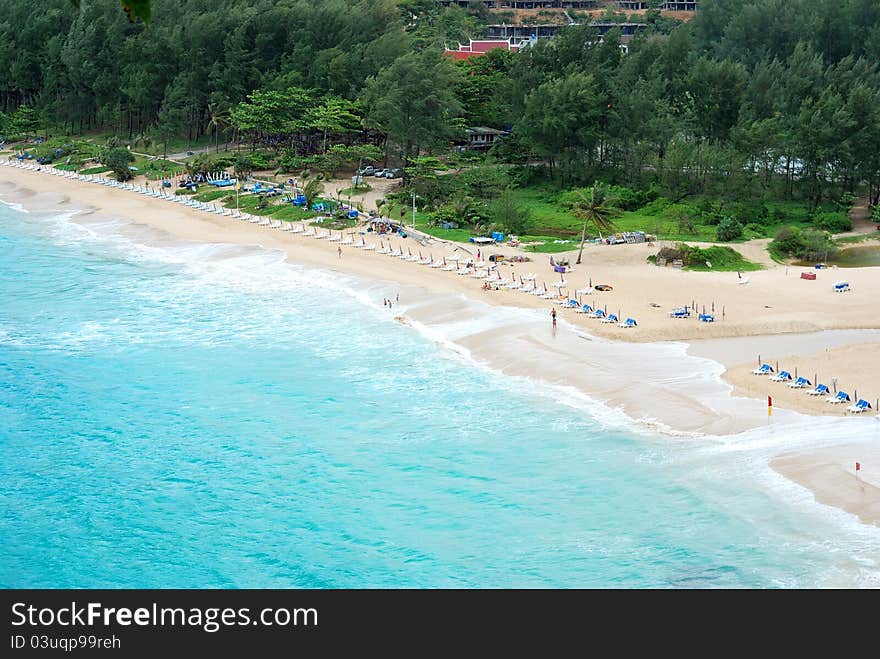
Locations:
(664, 373)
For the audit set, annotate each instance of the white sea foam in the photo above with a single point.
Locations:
(13, 205)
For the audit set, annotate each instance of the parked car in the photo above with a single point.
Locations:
(380, 173)
(393, 173)
(369, 170)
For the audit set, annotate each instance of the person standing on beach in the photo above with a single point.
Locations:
(553, 315)
(339, 251)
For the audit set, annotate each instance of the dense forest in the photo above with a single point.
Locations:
(749, 95)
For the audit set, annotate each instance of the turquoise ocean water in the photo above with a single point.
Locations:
(201, 417)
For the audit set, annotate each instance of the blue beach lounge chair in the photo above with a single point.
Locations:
(707, 318)
(610, 318)
(800, 383)
(763, 369)
(820, 390)
(585, 309)
(629, 322)
(598, 313)
(784, 376)
(841, 397)
(861, 406)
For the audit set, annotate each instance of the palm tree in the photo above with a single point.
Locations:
(218, 119)
(596, 207)
(312, 189)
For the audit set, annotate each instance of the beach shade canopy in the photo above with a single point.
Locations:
(560, 283)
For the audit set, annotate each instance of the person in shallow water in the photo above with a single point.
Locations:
(553, 315)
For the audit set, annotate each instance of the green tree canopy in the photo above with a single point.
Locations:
(412, 100)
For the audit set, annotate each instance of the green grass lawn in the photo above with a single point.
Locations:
(550, 245)
(549, 217)
(280, 211)
(214, 195)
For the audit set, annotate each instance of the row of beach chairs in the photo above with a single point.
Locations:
(801, 382)
(481, 270)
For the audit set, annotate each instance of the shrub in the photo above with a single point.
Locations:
(729, 229)
(510, 216)
(835, 222)
(746, 212)
(808, 244)
(656, 206)
(721, 258)
(118, 160)
(259, 160)
(711, 215)
(628, 199)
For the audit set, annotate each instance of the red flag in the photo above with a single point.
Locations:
(769, 401)
(858, 466)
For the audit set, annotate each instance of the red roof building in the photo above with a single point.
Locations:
(481, 47)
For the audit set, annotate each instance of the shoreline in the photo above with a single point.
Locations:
(650, 374)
